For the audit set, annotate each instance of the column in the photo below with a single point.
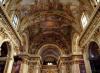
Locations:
(62, 65)
(24, 65)
(9, 65)
(37, 66)
(86, 61)
(78, 64)
(75, 68)
(63, 68)
(34, 65)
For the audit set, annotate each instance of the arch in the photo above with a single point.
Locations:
(10, 50)
(49, 53)
(93, 49)
(6, 51)
(59, 41)
(94, 56)
(57, 47)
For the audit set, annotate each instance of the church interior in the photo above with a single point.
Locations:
(49, 36)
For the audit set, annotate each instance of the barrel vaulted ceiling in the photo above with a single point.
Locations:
(50, 22)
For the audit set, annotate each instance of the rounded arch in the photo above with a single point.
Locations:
(7, 52)
(57, 47)
(51, 37)
(10, 49)
(93, 49)
(94, 56)
(49, 53)
(94, 40)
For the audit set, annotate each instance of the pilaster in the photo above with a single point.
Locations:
(86, 61)
(64, 65)
(9, 65)
(34, 65)
(24, 65)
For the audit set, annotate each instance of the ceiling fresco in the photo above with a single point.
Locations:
(50, 22)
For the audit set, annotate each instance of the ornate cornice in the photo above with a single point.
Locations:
(2, 33)
(90, 30)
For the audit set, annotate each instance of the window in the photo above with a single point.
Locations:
(49, 64)
(2, 1)
(84, 20)
(97, 1)
(15, 20)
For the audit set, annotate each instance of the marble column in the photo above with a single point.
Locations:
(24, 65)
(76, 61)
(9, 65)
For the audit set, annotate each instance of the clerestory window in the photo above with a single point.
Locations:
(97, 1)
(2, 1)
(15, 20)
(84, 20)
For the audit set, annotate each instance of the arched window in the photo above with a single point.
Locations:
(98, 1)
(2, 1)
(84, 20)
(95, 2)
(15, 20)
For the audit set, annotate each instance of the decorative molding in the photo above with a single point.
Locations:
(90, 30)
(8, 27)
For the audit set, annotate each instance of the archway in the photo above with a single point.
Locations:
(4, 52)
(94, 57)
(50, 54)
